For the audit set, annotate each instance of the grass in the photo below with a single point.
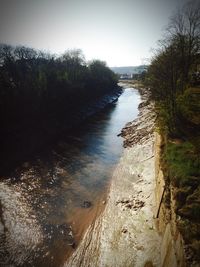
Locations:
(178, 122)
(179, 126)
(183, 164)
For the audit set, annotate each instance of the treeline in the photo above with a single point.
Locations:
(36, 85)
(174, 73)
(39, 92)
(174, 81)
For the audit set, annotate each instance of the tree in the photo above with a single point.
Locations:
(22, 53)
(74, 57)
(6, 53)
(169, 74)
(184, 31)
(74, 62)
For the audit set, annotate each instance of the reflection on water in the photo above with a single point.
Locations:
(57, 195)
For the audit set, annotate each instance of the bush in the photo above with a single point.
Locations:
(189, 105)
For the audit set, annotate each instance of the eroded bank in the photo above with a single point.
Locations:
(125, 234)
(135, 229)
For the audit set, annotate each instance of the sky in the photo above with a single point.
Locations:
(120, 32)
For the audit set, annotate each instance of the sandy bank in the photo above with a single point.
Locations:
(125, 233)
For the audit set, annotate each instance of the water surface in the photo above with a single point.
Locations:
(58, 194)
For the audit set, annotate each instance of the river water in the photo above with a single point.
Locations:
(49, 201)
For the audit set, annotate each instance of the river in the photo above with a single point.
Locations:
(48, 202)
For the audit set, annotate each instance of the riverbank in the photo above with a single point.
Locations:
(22, 143)
(125, 233)
(62, 191)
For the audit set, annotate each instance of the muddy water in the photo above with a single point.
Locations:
(48, 202)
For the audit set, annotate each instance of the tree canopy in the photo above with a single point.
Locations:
(176, 65)
(39, 91)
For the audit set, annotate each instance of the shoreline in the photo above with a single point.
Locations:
(125, 233)
(25, 196)
(30, 141)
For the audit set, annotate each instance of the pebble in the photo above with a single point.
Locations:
(86, 204)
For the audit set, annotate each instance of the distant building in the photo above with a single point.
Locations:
(126, 76)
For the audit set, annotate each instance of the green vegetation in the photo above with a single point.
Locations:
(183, 163)
(40, 94)
(173, 75)
(181, 166)
(174, 80)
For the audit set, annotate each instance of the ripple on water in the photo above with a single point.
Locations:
(20, 233)
(54, 198)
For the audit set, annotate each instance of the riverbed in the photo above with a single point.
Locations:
(125, 233)
(48, 202)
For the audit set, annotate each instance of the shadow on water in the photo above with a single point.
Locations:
(63, 189)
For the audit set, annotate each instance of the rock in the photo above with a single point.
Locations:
(73, 245)
(63, 231)
(139, 247)
(124, 230)
(103, 202)
(86, 204)
(131, 203)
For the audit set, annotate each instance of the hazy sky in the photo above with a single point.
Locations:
(121, 32)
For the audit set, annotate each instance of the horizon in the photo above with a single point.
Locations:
(58, 55)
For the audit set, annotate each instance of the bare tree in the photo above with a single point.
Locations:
(74, 56)
(183, 32)
(6, 53)
(22, 52)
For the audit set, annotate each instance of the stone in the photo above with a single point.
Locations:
(124, 230)
(86, 204)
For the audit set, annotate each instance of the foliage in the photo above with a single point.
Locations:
(35, 83)
(183, 163)
(174, 81)
(189, 105)
(174, 67)
(39, 92)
